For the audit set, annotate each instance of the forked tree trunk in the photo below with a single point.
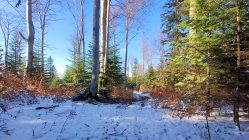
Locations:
(95, 43)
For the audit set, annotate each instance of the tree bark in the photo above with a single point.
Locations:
(126, 45)
(82, 30)
(42, 45)
(103, 15)
(31, 37)
(238, 41)
(107, 34)
(95, 43)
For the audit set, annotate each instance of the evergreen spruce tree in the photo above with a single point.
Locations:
(78, 72)
(50, 71)
(149, 77)
(37, 63)
(89, 63)
(67, 78)
(174, 25)
(15, 58)
(114, 75)
(212, 57)
(137, 78)
(69, 69)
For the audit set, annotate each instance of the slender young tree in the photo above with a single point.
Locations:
(46, 10)
(238, 66)
(7, 26)
(95, 44)
(76, 9)
(132, 12)
(82, 33)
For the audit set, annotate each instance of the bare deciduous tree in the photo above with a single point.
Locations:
(7, 26)
(146, 55)
(76, 9)
(133, 10)
(46, 12)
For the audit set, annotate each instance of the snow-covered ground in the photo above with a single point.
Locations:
(81, 120)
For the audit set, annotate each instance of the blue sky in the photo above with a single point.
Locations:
(59, 32)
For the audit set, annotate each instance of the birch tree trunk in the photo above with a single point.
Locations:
(103, 15)
(107, 34)
(95, 43)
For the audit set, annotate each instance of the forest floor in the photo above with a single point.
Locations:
(47, 118)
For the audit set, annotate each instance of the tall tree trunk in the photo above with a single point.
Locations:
(43, 13)
(103, 15)
(95, 41)
(42, 46)
(77, 45)
(107, 34)
(126, 45)
(31, 37)
(82, 30)
(238, 41)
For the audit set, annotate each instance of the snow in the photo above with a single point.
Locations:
(82, 120)
(141, 96)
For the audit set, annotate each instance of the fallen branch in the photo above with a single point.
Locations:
(49, 107)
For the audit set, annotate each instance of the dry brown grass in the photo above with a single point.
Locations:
(122, 93)
(162, 93)
(63, 91)
(13, 83)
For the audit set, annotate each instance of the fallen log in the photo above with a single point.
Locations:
(49, 107)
